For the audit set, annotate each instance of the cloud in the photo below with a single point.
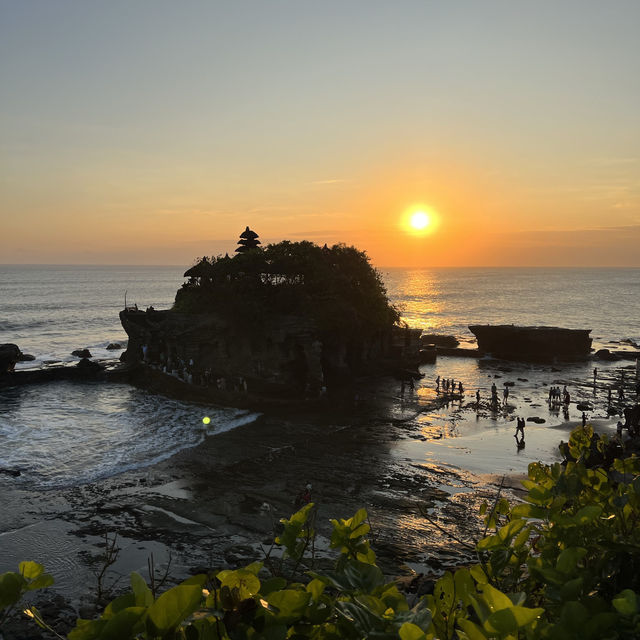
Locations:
(330, 181)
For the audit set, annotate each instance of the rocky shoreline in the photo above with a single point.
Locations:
(217, 505)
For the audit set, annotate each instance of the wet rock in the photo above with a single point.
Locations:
(584, 406)
(605, 354)
(439, 341)
(9, 356)
(113, 346)
(536, 419)
(82, 353)
(509, 384)
(26, 357)
(89, 366)
(11, 472)
(523, 379)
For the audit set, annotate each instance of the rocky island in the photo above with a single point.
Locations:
(291, 320)
(532, 343)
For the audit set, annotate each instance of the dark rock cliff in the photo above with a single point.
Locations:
(532, 343)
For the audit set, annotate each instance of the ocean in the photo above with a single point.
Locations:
(62, 434)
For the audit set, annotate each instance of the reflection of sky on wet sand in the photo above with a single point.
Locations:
(482, 440)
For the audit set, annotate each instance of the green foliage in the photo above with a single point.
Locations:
(562, 564)
(14, 586)
(337, 287)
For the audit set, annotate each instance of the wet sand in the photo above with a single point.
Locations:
(217, 505)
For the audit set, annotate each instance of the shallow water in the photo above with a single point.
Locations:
(65, 433)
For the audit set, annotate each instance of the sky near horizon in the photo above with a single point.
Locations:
(154, 131)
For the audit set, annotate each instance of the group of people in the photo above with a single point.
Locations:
(449, 386)
(556, 396)
(494, 395)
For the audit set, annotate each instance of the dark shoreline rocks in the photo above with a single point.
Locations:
(540, 344)
(10, 355)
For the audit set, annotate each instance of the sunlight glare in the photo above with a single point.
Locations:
(420, 220)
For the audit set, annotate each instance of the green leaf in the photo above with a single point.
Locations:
(444, 592)
(315, 588)
(144, 596)
(119, 604)
(289, 603)
(473, 631)
(511, 619)
(174, 606)
(254, 567)
(272, 584)
(410, 631)
(626, 602)
(478, 574)
(30, 570)
(569, 558)
(587, 514)
(464, 585)
(87, 629)
(11, 585)
(122, 625)
(495, 599)
(574, 615)
(41, 582)
(247, 583)
(509, 530)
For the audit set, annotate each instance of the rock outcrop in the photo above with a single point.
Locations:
(285, 355)
(10, 355)
(532, 343)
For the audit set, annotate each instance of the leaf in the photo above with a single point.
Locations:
(495, 599)
(509, 530)
(30, 570)
(410, 631)
(122, 625)
(511, 619)
(290, 604)
(587, 514)
(478, 574)
(254, 567)
(272, 584)
(315, 588)
(626, 602)
(569, 558)
(574, 615)
(144, 596)
(120, 603)
(464, 585)
(87, 629)
(11, 585)
(473, 631)
(174, 606)
(247, 583)
(444, 592)
(41, 582)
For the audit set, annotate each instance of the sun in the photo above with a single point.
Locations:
(420, 220)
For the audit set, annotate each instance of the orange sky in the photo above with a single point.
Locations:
(132, 136)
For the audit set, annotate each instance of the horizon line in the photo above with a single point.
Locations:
(111, 264)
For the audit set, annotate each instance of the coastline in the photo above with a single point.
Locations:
(217, 504)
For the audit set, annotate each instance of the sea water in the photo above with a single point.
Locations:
(61, 433)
